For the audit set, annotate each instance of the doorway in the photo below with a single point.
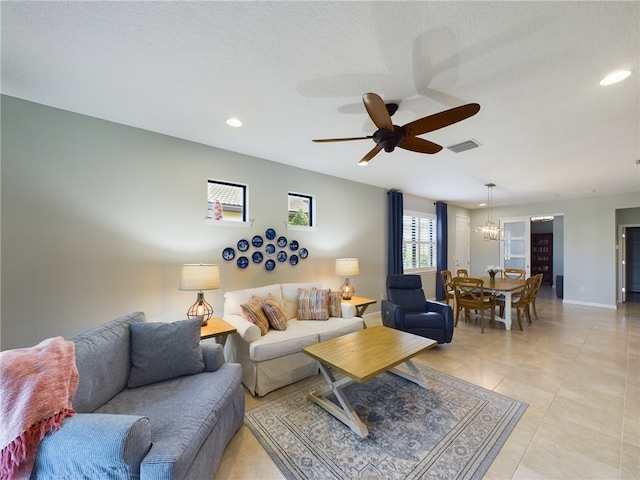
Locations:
(632, 264)
(463, 247)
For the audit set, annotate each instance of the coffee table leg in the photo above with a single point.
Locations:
(346, 414)
(415, 376)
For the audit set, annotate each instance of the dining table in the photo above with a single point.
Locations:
(506, 287)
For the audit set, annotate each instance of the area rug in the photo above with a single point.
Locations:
(453, 430)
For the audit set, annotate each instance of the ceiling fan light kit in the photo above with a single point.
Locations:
(389, 136)
(489, 231)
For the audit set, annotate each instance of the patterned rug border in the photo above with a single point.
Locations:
(475, 468)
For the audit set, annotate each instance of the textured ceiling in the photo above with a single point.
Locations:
(294, 71)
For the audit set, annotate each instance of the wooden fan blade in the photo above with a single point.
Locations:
(377, 110)
(419, 145)
(321, 140)
(440, 120)
(374, 151)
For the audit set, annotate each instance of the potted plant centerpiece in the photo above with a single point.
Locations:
(492, 270)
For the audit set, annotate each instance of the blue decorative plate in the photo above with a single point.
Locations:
(243, 245)
(228, 254)
(269, 265)
(256, 241)
(282, 256)
(293, 259)
(282, 242)
(270, 234)
(293, 245)
(304, 253)
(257, 257)
(270, 249)
(242, 262)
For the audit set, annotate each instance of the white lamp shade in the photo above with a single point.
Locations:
(200, 277)
(347, 267)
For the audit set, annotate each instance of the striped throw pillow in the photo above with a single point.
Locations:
(252, 311)
(313, 304)
(335, 304)
(274, 311)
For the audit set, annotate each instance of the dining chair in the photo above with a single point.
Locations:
(539, 277)
(462, 272)
(521, 301)
(470, 295)
(513, 273)
(447, 283)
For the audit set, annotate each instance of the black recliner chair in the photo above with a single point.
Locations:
(407, 309)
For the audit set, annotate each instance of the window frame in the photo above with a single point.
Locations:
(431, 244)
(244, 206)
(311, 213)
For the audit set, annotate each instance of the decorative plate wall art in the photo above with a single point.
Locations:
(263, 249)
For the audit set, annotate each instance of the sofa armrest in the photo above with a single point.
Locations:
(447, 313)
(213, 356)
(247, 330)
(348, 310)
(392, 315)
(94, 445)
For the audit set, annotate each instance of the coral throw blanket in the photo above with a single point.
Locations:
(38, 384)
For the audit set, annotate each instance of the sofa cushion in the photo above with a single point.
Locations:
(334, 327)
(313, 304)
(252, 311)
(279, 343)
(104, 361)
(290, 296)
(182, 412)
(162, 351)
(274, 310)
(423, 320)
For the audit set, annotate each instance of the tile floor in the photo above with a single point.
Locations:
(577, 367)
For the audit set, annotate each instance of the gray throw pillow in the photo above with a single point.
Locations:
(162, 351)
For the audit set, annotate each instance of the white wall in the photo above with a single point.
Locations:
(589, 243)
(98, 217)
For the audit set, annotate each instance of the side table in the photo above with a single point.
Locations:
(361, 304)
(217, 328)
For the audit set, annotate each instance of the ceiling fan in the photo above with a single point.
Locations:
(389, 136)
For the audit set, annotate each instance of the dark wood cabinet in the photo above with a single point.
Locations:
(542, 256)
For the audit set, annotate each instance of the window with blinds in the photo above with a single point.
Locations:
(418, 242)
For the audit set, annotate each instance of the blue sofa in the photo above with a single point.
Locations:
(175, 428)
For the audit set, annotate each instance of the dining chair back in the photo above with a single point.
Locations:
(447, 283)
(471, 295)
(514, 273)
(521, 301)
(462, 272)
(536, 289)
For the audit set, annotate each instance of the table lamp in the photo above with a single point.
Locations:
(347, 267)
(200, 277)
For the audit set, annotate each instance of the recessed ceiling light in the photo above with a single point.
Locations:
(234, 122)
(615, 77)
(482, 204)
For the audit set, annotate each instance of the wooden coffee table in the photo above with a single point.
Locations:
(361, 356)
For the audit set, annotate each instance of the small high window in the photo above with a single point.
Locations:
(301, 210)
(226, 201)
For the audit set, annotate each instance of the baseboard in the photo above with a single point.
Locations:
(588, 304)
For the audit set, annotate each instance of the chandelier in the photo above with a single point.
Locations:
(489, 231)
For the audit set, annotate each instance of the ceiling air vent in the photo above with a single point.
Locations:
(461, 147)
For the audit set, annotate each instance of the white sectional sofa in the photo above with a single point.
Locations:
(276, 359)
